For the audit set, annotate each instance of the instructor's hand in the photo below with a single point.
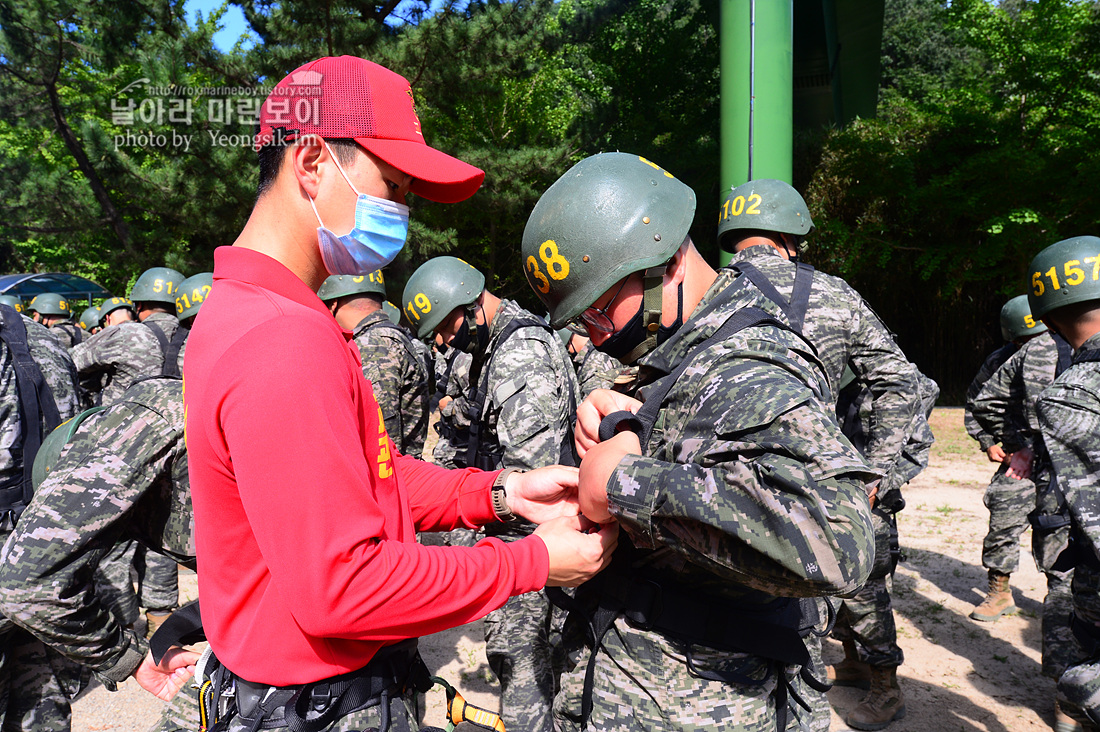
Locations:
(544, 494)
(163, 680)
(576, 556)
(1019, 464)
(591, 412)
(996, 454)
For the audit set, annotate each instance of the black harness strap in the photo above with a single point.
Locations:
(36, 403)
(1086, 356)
(172, 352)
(1065, 355)
(794, 308)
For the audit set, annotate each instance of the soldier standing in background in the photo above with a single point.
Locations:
(698, 625)
(37, 392)
(765, 223)
(1067, 300)
(1009, 499)
(521, 406)
(396, 371)
(123, 352)
(55, 312)
(595, 369)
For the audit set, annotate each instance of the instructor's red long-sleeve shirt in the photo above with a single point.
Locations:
(305, 515)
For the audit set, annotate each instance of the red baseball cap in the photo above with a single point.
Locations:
(352, 98)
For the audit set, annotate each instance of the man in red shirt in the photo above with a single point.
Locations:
(311, 580)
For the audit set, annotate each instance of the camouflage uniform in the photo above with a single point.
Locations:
(35, 683)
(849, 335)
(742, 506)
(68, 334)
(454, 380)
(595, 369)
(400, 380)
(1068, 415)
(1005, 409)
(123, 353)
(530, 405)
(123, 475)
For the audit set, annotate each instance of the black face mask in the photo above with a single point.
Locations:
(462, 340)
(626, 339)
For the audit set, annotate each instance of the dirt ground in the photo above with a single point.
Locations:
(958, 674)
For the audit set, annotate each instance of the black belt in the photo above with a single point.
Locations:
(315, 706)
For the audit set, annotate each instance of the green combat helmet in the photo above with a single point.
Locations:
(111, 304)
(436, 288)
(191, 293)
(764, 205)
(54, 445)
(1064, 273)
(609, 216)
(1017, 322)
(13, 301)
(390, 311)
(90, 318)
(50, 303)
(157, 285)
(343, 285)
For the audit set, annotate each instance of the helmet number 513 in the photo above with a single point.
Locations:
(557, 266)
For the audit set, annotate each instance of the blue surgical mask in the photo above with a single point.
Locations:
(381, 227)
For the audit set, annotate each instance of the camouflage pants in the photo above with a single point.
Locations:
(517, 644)
(36, 684)
(820, 710)
(868, 617)
(181, 714)
(645, 681)
(1009, 501)
(1060, 648)
(1079, 686)
(158, 580)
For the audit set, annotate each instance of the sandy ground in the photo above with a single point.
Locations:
(958, 674)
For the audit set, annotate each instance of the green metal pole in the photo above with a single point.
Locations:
(757, 91)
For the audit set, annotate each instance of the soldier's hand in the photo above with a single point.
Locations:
(996, 454)
(163, 680)
(1019, 464)
(591, 412)
(578, 549)
(596, 468)
(544, 494)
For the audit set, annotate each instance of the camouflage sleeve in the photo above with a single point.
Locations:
(96, 353)
(1037, 373)
(989, 366)
(767, 494)
(998, 406)
(400, 387)
(76, 516)
(596, 370)
(894, 384)
(532, 401)
(57, 368)
(1068, 414)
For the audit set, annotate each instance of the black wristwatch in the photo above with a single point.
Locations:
(500, 500)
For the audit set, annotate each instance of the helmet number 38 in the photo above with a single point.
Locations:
(556, 265)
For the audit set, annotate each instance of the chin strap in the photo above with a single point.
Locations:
(652, 282)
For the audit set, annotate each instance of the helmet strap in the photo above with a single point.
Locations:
(652, 300)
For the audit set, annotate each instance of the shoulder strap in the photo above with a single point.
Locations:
(1084, 356)
(171, 365)
(1065, 354)
(800, 295)
(35, 398)
(765, 286)
(76, 333)
(643, 421)
(162, 339)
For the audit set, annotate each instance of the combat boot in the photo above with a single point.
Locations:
(998, 601)
(851, 671)
(1065, 723)
(882, 705)
(153, 620)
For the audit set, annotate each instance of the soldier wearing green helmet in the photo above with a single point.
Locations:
(90, 318)
(1064, 291)
(398, 374)
(13, 302)
(190, 295)
(154, 297)
(607, 250)
(521, 405)
(54, 311)
(764, 224)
